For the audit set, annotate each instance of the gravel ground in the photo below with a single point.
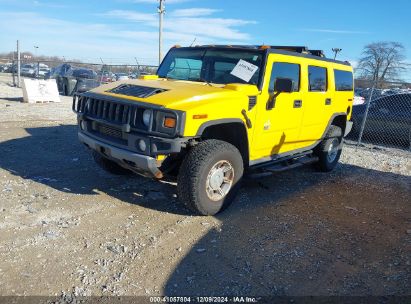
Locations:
(69, 228)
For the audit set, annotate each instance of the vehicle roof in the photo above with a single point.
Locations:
(300, 51)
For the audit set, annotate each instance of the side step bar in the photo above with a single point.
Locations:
(282, 164)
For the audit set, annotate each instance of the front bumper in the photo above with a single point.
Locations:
(140, 164)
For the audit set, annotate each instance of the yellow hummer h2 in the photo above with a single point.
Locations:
(214, 113)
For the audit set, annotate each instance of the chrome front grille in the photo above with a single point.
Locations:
(110, 111)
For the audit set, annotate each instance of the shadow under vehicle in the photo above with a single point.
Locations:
(71, 79)
(388, 120)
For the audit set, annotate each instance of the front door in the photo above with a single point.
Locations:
(318, 105)
(279, 115)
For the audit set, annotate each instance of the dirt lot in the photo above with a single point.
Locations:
(67, 227)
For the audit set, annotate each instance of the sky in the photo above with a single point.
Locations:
(123, 31)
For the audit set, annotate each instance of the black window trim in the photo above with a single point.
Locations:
(287, 62)
(326, 78)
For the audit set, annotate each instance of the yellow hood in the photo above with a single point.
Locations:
(181, 95)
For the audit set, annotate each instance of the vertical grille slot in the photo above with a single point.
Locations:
(125, 113)
(100, 109)
(252, 101)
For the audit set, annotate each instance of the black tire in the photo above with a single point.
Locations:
(195, 170)
(109, 165)
(328, 156)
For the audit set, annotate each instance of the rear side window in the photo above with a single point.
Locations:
(317, 79)
(343, 80)
(285, 70)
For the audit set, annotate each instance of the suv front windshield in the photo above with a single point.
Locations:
(212, 65)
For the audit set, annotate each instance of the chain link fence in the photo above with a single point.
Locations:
(382, 115)
(99, 72)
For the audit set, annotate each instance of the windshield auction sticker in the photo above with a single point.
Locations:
(244, 70)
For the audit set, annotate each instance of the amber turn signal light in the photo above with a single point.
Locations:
(169, 122)
(200, 116)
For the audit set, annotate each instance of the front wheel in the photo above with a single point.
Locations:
(210, 176)
(329, 150)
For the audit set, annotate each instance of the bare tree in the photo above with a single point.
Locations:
(382, 61)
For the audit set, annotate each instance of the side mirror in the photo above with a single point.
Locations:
(283, 85)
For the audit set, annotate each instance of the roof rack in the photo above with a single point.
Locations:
(289, 48)
(318, 53)
(231, 45)
(298, 49)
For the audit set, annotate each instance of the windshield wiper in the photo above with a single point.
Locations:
(206, 81)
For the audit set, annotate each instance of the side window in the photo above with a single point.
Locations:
(285, 70)
(317, 79)
(343, 80)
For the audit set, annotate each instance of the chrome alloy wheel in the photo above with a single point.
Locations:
(333, 150)
(219, 180)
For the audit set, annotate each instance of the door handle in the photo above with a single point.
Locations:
(327, 101)
(298, 103)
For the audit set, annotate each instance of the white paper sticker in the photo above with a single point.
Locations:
(244, 70)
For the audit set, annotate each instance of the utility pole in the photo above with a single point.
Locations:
(336, 51)
(161, 11)
(38, 62)
(18, 64)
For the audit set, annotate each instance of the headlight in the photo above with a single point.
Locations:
(147, 117)
(142, 145)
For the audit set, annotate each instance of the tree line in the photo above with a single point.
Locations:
(382, 62)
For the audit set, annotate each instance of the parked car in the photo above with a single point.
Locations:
(388, 120)
(28, 69)
(11, 68)
(134, 75)
(2, 68)
(358, 100)
(71, 79)
(106, 77)
(42, 72)
(122, 76)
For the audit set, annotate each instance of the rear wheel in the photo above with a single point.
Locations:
(329, 150)
(210, 176)
(109, 165)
